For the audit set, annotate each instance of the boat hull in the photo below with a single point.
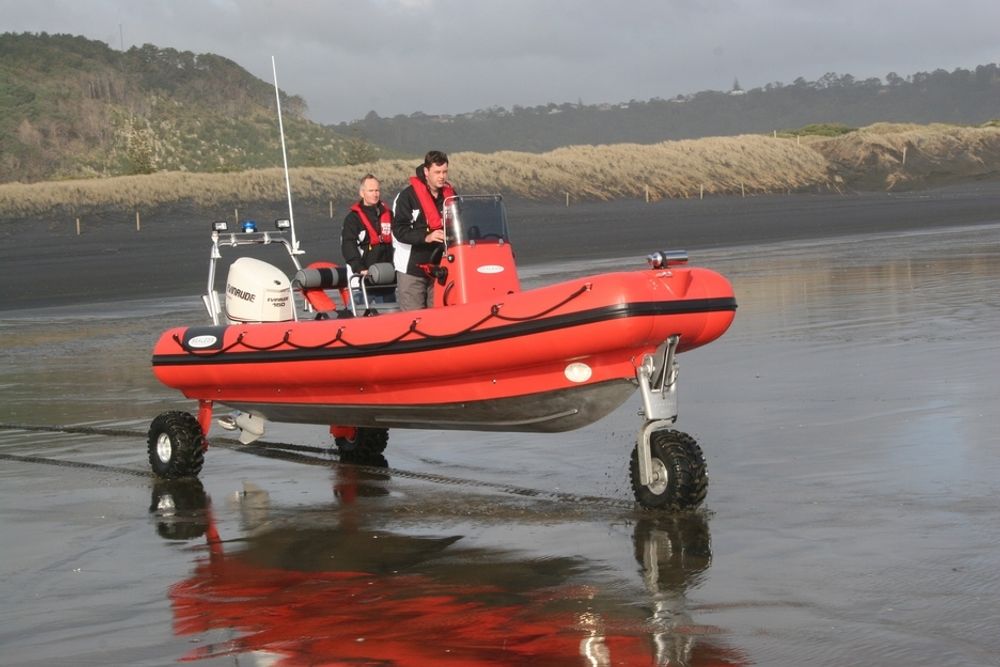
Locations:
(549, 359)
(545, 412)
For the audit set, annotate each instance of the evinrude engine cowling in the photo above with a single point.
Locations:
(258, 292)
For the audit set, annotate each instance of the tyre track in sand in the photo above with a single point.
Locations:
(304, 454)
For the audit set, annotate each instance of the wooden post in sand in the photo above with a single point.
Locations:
(567, 200)
(236, 217)
(78, 226)
(647, 194)
(743, 192)
(904, 155)
(137, 226)
(701, 191)
(331, 209)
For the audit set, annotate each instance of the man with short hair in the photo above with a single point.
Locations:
(418, 231)
(366, 237)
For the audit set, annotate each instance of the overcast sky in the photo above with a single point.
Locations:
(347, 58)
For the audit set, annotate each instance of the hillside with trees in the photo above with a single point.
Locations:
(71, 107)
(74, 108)
(962, 97)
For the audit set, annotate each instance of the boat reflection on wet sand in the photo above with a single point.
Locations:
(318, 586)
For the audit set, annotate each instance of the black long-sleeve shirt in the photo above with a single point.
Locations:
(355, 244)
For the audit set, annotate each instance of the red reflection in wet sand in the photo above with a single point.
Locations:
(311, 614)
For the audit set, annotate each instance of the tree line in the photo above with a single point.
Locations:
(71, 107)
(966, 97)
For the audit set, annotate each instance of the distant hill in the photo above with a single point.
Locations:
(961, 97)
(72, 107)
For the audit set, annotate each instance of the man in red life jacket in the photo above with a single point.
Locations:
(366, 237)
(418, 232)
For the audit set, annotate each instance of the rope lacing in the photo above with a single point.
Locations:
(413, 328)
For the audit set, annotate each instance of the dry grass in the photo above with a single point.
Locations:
(871, 158)
(720, 165)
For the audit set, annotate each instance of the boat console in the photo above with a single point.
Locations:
(478, 262)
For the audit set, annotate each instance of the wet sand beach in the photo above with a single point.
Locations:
(44, 261)
(847, 419)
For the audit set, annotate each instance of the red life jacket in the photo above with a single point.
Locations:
(385, 223)
(427, 204)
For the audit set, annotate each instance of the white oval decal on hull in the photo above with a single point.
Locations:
(490, 268)
(577, 372)
(202, 341)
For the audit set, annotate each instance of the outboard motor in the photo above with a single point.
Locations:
(258, 292)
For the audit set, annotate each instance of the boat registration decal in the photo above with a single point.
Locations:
(490, 268)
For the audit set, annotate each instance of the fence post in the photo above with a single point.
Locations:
(701, 191)
(567, 200)
(78, 226)
(647, 194)
(236, 217)
(743, 192)
(904, 154)
(331, 209)
(137, 227)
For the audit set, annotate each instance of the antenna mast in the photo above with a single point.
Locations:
(284, 157)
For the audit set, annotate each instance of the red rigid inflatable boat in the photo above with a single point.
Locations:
(487, 357)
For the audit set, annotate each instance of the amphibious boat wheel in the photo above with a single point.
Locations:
(681, 479)
(176, 445)
(365, 439)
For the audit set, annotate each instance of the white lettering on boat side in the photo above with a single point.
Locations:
(205, 340)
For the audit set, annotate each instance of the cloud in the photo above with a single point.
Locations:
(451, 56)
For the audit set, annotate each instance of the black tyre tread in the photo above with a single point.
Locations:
(368, 440)
(688, 475)
(188, 454)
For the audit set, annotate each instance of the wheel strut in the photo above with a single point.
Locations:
(205, 418)
(657, 376)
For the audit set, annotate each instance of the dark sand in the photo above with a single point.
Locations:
(44, 262)
(848, 419)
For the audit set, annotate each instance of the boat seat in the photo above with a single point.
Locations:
(324, 277)
(375, 292)
(318, 277)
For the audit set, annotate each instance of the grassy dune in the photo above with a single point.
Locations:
(899, 156)
(878, 157)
